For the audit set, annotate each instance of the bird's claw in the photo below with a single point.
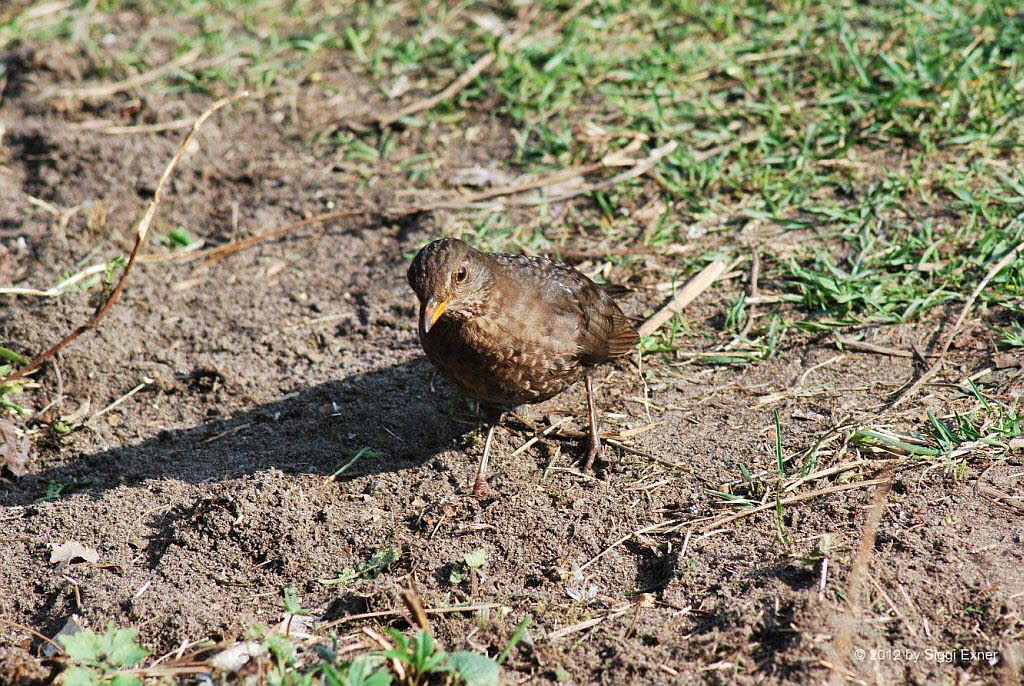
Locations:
(481, 490)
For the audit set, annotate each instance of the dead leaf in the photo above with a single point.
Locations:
(234, 658)
(13, 451)
(78, 415)
(66, 553)
(297, 626)
(479, 177)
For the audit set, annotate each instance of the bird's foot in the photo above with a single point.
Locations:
(481, 490)
(593, 453)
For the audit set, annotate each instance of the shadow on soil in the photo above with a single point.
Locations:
(317, 430)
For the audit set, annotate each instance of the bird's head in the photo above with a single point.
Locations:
(450, 278)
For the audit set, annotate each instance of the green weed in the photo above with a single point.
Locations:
(369, 569)
(98, 658)
(473, 561)
(422, 660)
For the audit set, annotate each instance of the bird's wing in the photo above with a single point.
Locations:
(606, 333)
(580, 308)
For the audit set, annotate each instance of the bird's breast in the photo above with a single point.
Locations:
(504, 361)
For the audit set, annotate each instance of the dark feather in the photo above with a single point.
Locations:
(615, 290)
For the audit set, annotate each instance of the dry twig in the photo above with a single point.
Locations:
(683, 297)
(863, 346)
(30, 630)
(140, 236)
(540, 181)
(397, 613)
(221, 251)
(104, 90)
(669, 526)
(453, 89)
(111, 128)
(639, 169)
(722, 521)
(940, 360)
(587, 624)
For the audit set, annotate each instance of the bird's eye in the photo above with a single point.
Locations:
(460, 275)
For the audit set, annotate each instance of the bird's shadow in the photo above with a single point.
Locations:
(402, 413)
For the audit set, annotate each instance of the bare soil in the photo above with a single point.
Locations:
(208, 490)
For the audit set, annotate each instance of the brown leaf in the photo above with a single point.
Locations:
(65, 553)
(13, 452)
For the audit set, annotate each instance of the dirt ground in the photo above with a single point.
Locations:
(243, 384)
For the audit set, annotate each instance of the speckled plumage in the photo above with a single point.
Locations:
(517, 329)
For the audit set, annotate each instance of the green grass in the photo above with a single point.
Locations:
(882, 138)
(877, 144)
(950, 441)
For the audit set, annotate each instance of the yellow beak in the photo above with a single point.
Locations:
(431, 311)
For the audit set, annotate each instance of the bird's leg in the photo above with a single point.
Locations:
(594, 444)
(479, 487)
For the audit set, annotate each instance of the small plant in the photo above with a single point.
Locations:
(176, 239)
(734, 317)
(415, 661)
(1012, 337)
(362, 671)
(284, 673)
(949, 441)
(9, 388)
(100, 297)
(819, 552)
(11, 356)
(98, 658)
(754, 487)
(421, 659)
(780, 463)
(62, 428)
(364, 570)
(55, 490)
(475, 560)
(781, 532)
(292, 607)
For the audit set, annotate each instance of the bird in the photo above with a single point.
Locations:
(508, 330)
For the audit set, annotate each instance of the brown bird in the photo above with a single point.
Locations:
(512, 329)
